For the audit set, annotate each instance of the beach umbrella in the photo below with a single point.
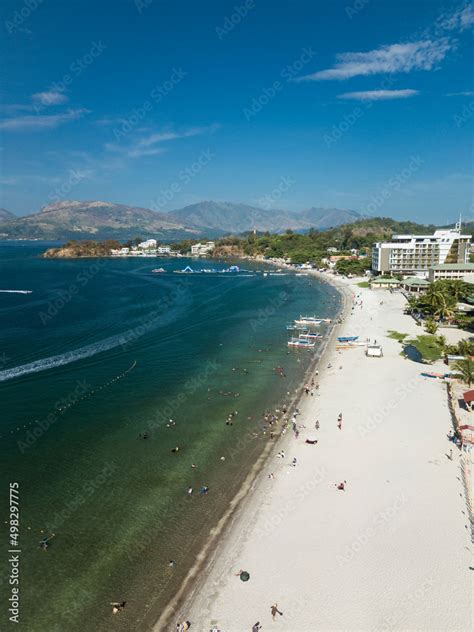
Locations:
(244, 576)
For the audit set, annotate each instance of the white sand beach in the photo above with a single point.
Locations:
(390, 552)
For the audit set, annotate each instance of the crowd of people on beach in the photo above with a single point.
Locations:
(290, 419)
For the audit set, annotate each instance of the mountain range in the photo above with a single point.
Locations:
(107, 220)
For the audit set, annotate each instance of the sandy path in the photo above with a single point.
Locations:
(392, 551)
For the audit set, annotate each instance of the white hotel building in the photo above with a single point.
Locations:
(416, 254)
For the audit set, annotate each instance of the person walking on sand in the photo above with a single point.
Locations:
(274, 610)
(256, 627)
(316, 425)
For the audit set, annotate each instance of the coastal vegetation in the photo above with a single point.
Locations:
(312, 246)
(431, 326)
(465, 371)
(462, 348)
(431, 347)
(439, 304)
(85, 248)
(428, 347)
(396, 335)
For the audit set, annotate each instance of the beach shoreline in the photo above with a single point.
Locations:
(238, 504)
(355, 541)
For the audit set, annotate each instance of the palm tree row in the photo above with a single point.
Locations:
(440, 300)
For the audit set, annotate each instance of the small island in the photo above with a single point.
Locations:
(132, 248)
(87, 248)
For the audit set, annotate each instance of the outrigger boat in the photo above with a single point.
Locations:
(310, 336)
(311, 320)
(348, 338)
(301, 343)
(296, 328)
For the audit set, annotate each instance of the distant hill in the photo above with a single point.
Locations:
(6, 215)
(105, 220)
(324, 218)
(228, 217)
(97, 220)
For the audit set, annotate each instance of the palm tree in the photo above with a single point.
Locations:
(434, 298)
(412, 304)
(431, 326)
(446, 310)
(458, 289)
(465, 370)
(464, 348)
(440, 302)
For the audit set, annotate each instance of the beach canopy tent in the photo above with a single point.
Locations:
(469, 397)
(374, 351)
(467, 433)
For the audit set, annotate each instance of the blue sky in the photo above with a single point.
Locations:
(361, 104)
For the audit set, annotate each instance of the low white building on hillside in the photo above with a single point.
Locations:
(149, 243)
(202, 249)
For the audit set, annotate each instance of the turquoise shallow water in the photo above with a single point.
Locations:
(100, 352)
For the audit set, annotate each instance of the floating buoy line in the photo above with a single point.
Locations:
(61, 410)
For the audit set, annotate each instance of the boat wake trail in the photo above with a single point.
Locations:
(16, 291)
(124, 339)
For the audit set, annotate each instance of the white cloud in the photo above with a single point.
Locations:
(459, 20)
(468, 93)
(421, 55)
(147, 146)
(379, 95)
(138, 153)
(50, 97)
(40, 122)
(161, 137)
(108, 120)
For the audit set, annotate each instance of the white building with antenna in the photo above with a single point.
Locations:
(417, 254)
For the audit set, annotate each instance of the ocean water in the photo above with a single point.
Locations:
(99, 353)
